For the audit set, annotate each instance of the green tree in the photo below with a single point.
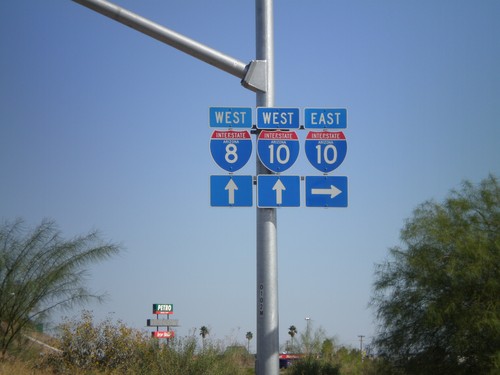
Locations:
(40, 271)
(249, 336)
(203, 333)
(327, 349)
(292, 331)
(437, 296)
(311, 341)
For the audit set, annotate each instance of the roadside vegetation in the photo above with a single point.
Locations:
(435, 298)
(437, 295)
(86, 347)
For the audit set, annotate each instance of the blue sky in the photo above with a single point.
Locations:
(104, 128)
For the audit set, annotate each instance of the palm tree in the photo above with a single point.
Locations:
(249, 336)
(292, 331)
(203, 333)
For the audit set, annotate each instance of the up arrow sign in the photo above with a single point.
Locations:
(279, 187)
(231, 187)
(231, 191)
(332, 191)
(278, 191)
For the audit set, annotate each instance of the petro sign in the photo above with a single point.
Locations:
(163, 308)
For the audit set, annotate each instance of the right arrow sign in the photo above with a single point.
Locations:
(326, 191)
(332, 191)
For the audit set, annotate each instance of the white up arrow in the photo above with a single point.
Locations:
(231, 187)
(279, 187)
(332, 191)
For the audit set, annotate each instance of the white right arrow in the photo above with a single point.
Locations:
(332, 191)
(279, 187)
(231, 187)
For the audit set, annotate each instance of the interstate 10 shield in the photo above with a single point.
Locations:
(325, 150)
(278, 150)
(231, 149)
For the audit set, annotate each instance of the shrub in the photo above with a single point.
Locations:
(113, 348)
(88, 346)
(313, 366)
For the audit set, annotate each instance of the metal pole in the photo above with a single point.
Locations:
(167, 36)
(267, 250)
(361, 346)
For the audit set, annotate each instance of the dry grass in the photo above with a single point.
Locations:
(14, 367)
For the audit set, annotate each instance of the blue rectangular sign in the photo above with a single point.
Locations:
(230, 117)
(326, 191)
(278, 191)
(231, 191)
(325, 118)
(277, 118)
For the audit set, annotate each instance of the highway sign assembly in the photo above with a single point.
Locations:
(231, 191)
(231, 149)
(278, 191)
(230, 117)
(278, 150)
(325, 150)
(326, 191)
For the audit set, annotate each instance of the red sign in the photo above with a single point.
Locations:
(291, 356)
(163, 334)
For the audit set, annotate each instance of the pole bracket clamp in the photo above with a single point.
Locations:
(256, 76)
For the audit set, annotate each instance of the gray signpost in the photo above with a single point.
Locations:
(258, 76)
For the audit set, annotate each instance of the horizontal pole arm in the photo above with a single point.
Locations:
(167, 36)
